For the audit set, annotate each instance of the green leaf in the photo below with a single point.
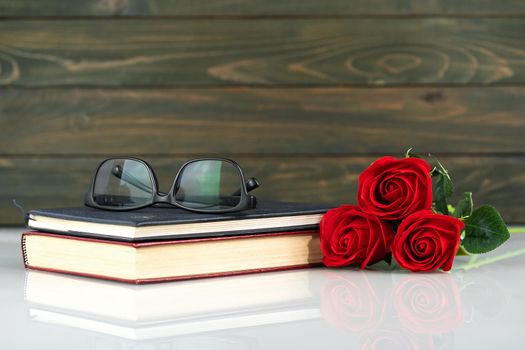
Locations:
(441, 189)
(485, 230)
(464, 206)
(440, 171)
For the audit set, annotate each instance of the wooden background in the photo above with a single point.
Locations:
(304, 94)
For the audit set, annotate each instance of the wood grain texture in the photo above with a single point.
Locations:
(51, 182)
(256, 7)
(262, 121)
(38, 53)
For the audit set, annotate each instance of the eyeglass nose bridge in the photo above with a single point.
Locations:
(162, 196)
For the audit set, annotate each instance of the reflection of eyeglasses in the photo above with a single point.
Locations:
(208, 185)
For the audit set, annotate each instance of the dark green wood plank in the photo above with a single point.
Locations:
(262, 121)
(48, 182)
(256, 7)
(262, 52)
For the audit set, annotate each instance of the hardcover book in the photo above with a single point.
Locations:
(167, 223)
(171, 260)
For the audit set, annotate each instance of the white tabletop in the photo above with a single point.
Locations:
(479, 305)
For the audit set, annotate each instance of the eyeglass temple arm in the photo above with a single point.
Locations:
(251, 185)
(119, 172)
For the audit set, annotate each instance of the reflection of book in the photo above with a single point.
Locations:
(171, 260)
(155, 311)
(174, 328)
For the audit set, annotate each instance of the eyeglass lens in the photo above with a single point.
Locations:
(208, 184)
(124, 183)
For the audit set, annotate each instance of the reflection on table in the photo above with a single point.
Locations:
(380, 310)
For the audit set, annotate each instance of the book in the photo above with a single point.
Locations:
(155, 223)
(145, 262)
(189, 307)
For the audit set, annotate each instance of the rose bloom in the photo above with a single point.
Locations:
(426, 241)
(351, 236)
(395, 188)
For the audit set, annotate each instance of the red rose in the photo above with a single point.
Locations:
(395, 188)
(428, 303)
(350, 236)
(426, 241)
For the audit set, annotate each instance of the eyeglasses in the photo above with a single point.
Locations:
(207, 185)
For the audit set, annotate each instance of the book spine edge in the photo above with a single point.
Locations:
(24, 249)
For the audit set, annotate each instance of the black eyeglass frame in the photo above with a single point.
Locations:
(246, 201)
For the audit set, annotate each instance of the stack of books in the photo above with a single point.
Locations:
(158, 244)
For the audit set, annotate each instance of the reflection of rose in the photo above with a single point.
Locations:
(350, 302)
(393, 339)
(428, 304)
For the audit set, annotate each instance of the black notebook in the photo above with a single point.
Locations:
(154, 223)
